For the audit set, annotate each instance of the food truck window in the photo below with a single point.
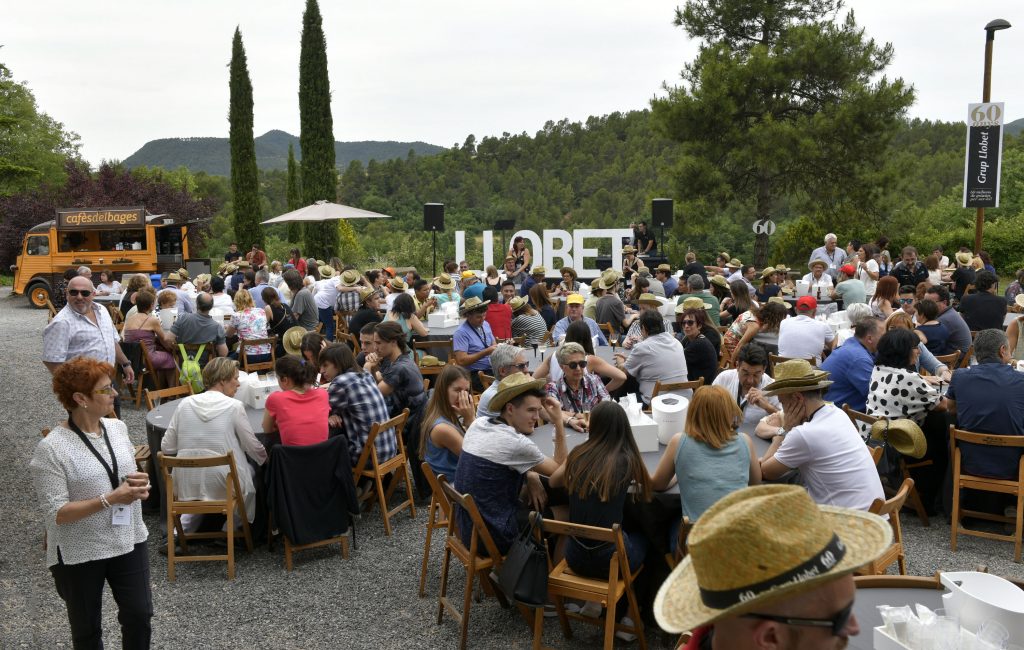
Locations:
(38, 245)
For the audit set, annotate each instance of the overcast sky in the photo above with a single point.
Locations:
(121, 73)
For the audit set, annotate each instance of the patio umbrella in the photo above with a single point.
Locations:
(326, 211)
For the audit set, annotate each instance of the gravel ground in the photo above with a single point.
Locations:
(367, 601)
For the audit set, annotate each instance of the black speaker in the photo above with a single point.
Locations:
(433, 216)
(661, 213)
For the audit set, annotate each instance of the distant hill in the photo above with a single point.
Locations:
(213, 156)
(1014, 128)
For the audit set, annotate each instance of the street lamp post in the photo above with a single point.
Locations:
(986, 96)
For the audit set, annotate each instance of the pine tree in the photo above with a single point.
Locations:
(244, 174)
(316, 138)
(782, 100)
(294, 197)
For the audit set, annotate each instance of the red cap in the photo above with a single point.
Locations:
(806, 303)
(848, 269)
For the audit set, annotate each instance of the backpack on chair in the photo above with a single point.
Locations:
(191, 372)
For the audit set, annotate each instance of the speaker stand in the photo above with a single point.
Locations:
(433, 236)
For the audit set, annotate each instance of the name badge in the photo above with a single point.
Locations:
(121, 515)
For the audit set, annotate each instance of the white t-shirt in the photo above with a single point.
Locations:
(730, 381)
(834, 462)
(802, 337)
(499, 443)
(326, 293)
(824, 282)
(224, 302)
(869, 284)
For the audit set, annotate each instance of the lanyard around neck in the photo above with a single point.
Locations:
(111, 472)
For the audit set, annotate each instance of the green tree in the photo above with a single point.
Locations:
(782, 99)
(316, 138)
(294, 197)
(33, 145)
(245, 188)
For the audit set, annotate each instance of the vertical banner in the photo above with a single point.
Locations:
(984, 155)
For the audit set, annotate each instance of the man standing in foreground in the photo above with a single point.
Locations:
(767, 568)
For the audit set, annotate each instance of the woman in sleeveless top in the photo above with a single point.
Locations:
(449, 413)
(279, 319)
(403, 312)
(709, 458)
(521, 254)
(145, 328)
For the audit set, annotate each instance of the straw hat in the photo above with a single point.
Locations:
(365, 293)
(759, 544)
(904, 435)
(350, 278)
(650, 299)
(183, 273)
(797, 376)
(665, 268)
(782, 268)
(223, 267)
(1019, 300)
(444, 281)
(326, 271)
(964, 258)
(817, 262)
(429, 361)
(511, 387)
(510, 257)
(778, 300)
(768, 272)
(230, 269)
(292, 340)
(320, 263)
(173, 277)
(734, 263)
(693, 302)
(242, 264)
(517, 303)
(473, 304)
(574, 299)
(720, 281)
(539, 270)
(598, 284)
(626, 250)
(398, 284)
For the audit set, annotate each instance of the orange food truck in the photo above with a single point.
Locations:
(121, 240)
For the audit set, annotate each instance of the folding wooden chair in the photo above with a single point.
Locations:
(444, 346)
(233, 500)
(673, 387)
(369, 466)
(341, 319)
(479, 560)
(440, 513)
(949, 360)
(563, 583)
(249, 366)
(894, 553)
(116, 316)
(351, 339)
(426, 384)
(915, 498)
(156, 397)
(774, 359)
(1002, 486)
(51, 309)
(607, 329)
(485, 379)
(965, 360)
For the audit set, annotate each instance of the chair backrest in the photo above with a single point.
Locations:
(153, 397)
(606, 328)
(671, 387)
(369, 453)
(989, 439)
(434, 481)
(876, 455)
(167, 463)
(485, 379)
(244, 344)
(116, 316)
(948, 360)
(350, 339)
(619, 562)
(857, 417)
(443, 344)
(965, 360)
(891, 507)
(480, 533)
(426, 384)
(898, 582)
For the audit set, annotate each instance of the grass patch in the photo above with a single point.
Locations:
(6, 280)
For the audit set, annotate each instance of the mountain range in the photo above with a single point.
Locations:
(213, 155)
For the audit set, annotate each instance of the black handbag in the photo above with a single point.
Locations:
(524, 573)
(889, 468)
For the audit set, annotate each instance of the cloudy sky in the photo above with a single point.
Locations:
(122, 72)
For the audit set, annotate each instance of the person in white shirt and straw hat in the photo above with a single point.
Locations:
(768, 568)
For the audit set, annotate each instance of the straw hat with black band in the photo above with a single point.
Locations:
(517, 303)
(720, 281)
(903, 434)
(444, 281)
(292, 340)
(472, 305)
(797, 376)
(512, 387)
(365, 293)
(350, 278)
(760, 544)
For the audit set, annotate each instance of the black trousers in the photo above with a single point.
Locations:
(81, 588)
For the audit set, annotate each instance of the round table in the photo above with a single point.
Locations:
(534, 358)
(865, 608)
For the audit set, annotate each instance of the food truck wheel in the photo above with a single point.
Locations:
(38, 295)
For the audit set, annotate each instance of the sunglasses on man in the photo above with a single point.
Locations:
(837, 623)
(85, 293)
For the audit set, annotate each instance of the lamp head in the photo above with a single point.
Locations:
(995, 26)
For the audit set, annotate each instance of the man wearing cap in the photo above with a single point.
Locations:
(768, 568)
(185, 301)
(473, 341)
(497, 454)
(695, 286)
(820, 440)
(803, 337)
(747, 383)
(472, 287)
(849, 289)
(200, 327)
(658, 357)
(256, 258)
(851, 364)
(573, 313)
(664, 275)
(536, 276)
(505, 360)
(833, 256)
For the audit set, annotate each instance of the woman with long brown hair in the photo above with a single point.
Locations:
(598, 476)
(448, 414)
(541, 301)
(886, 295)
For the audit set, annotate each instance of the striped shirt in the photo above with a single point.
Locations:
(71, 335)
(530, 326)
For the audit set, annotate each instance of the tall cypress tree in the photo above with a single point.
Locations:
(294, 197)
(319, 178)
(244, 174)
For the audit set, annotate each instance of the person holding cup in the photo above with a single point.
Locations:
(90, 496)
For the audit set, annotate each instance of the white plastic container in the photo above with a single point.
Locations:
(258, 391)
(645, 432)
(669, 412)
(977, 597)
(802, 288)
